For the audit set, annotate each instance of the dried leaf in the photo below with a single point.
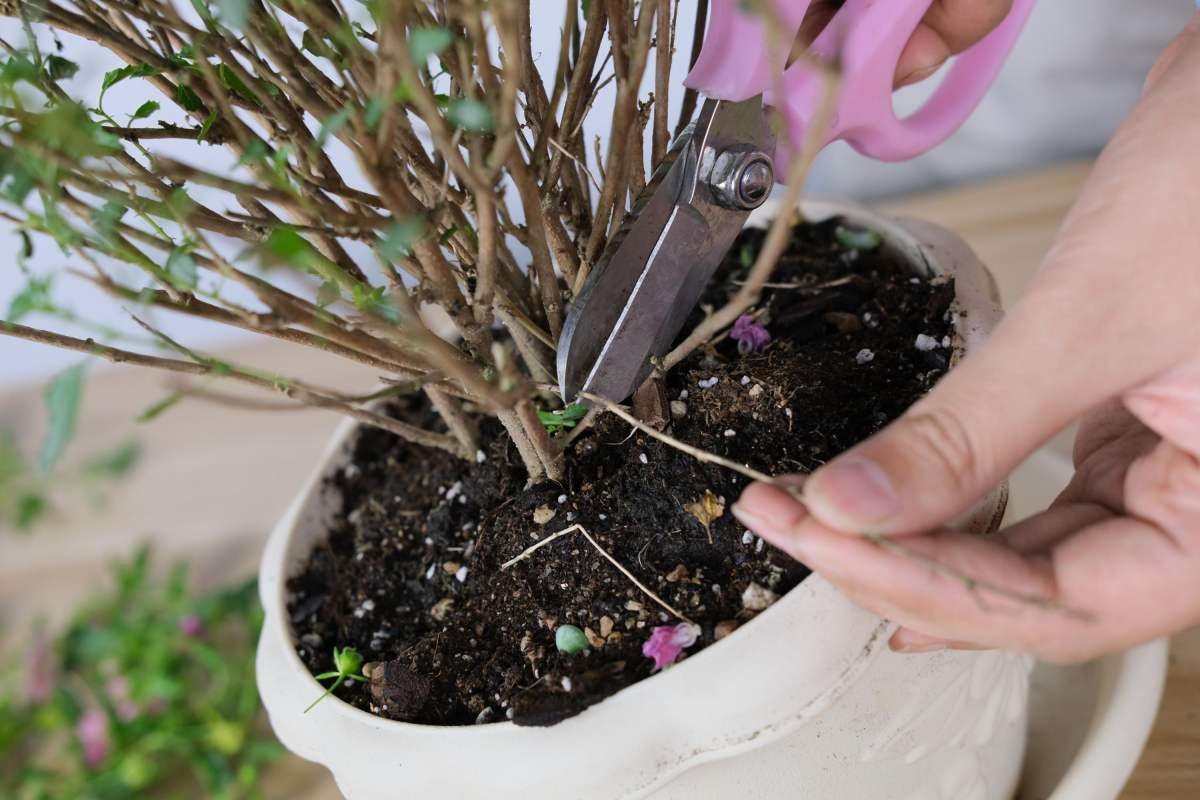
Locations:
(705, 510)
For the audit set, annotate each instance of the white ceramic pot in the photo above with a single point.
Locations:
(805, 701)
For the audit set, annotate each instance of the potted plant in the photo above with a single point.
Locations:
(480, 575)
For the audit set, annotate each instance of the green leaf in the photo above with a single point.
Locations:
(30, 507)
(470, 115)
(331, 126)
(115, 463)
(400, 236)
(207, 126)
(236, 85)
(115, 76)
(569, 417)
(34, 297)
(145, 110)
(424, 43)
(328, 294)
(60, 68)
(233, 14)
(188, 99)
(19, 68)
(256, 151)
(857, 238)
(181, 269)
(105, 218)
(62, 398)
(156, 410)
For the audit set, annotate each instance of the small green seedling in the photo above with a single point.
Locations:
(570, 639)
(348, 662)
(857, 238)
(557, 421)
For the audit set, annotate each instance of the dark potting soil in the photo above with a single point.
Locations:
(411, 572)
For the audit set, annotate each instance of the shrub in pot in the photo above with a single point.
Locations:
(503, 562)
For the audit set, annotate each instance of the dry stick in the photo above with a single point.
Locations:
(302, 396)
(451, 412)
(689, 95)
(663, 47)
(577, 528)
(549, 452)
(694, 452)
(971, 583)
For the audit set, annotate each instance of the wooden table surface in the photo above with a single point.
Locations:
(212, 480)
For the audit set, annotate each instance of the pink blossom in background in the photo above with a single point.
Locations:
(749, 335)
(39, 675)
(667, 643)
(191, 625)
(92, 731)
(118, 694)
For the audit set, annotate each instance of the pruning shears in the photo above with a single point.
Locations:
(724, 165)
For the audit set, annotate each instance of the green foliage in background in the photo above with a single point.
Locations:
(148, 693)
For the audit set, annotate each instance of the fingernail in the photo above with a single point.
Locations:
(917, 75)
(856, 490)
(918, 647)
(770, 515)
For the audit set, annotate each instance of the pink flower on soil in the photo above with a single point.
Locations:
(92, 731)
(39, 674)
(667, 643)
(192, 626)
(749, 335)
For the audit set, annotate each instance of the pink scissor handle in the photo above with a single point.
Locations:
(867, 38)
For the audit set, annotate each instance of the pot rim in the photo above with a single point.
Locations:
(745, 721)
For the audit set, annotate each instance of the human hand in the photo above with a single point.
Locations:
(949, 28)
(1108, 332)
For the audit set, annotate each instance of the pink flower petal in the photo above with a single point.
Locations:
(192, 626)
(749, 335)
(667, 643)
(92, 731)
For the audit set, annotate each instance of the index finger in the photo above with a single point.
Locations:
(1109, 583)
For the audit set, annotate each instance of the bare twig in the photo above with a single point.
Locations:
(577, 528)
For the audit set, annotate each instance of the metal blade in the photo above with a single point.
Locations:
(652, 274)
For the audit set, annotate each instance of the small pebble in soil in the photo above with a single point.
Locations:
(864, 356)
(460, 575)
(366, 607)
(756, 390)
(441, 608)
(745, 380)
(683, 394)
(679, 409)
(925, 343)
(708, 383)
(946, 342)
(570, 639)
(480, 456)
(758, 546)
(566, 684)
(642, 458)
(758, 598)
(603, 517)
(747, 537)
(429, 572)
(543, 514)
(562, 498)
(730, 433)
(485, 716)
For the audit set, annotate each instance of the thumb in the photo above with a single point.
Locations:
(1048, 362)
